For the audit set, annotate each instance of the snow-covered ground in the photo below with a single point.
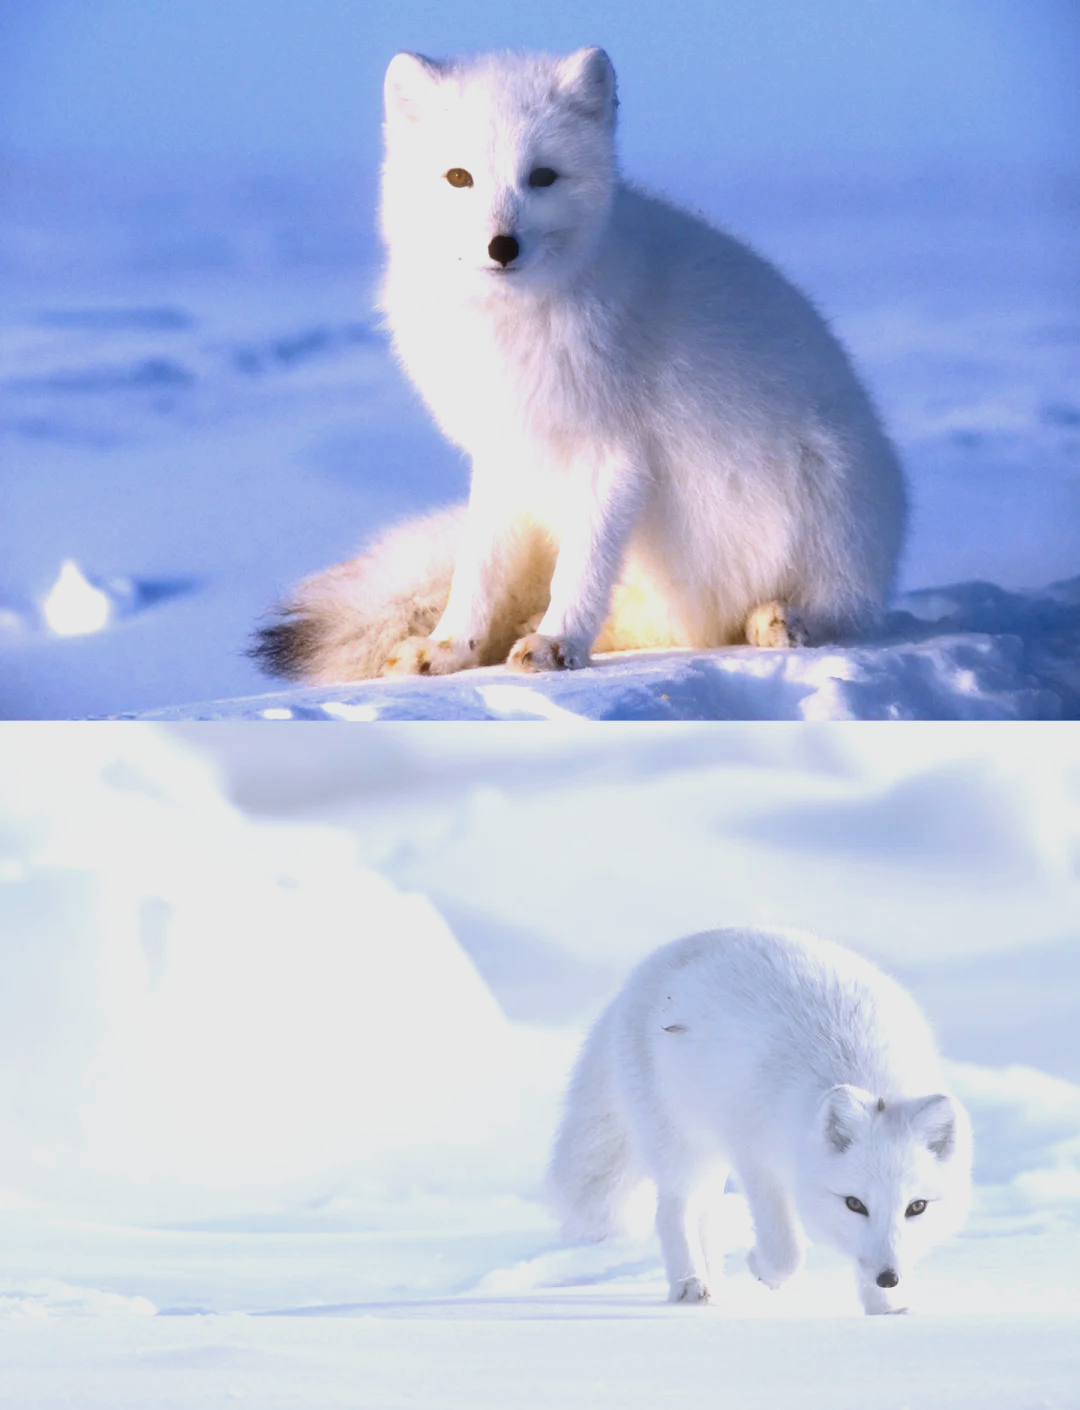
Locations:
(197, 409)
(285, 1016)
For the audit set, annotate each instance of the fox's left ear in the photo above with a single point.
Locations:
(588, 77)
(939, 1122)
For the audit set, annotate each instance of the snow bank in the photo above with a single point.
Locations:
(916, 858)
(969, 652)
(1027, 1134)
(196, 1010)
(46, 1297)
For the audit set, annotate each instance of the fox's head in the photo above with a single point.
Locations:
(886, 1179)
(499, 170)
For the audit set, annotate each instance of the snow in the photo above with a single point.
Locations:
(199, 408)
(614, 1358)
(285, 1018)
(75, 605)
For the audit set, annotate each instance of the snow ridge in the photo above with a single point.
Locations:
(972, 651)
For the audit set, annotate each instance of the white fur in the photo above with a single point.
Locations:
(791, 1062)
(668, 445)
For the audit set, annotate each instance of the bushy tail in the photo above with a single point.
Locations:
(593, 1171)
(341, 625)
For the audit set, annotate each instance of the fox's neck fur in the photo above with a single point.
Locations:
(537, 358)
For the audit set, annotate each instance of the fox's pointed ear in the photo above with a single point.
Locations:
(938, 1121)
(842, 1116)
(588, 78)
(410, 78)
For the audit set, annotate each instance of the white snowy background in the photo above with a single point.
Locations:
(285, 1016)
(197, 407)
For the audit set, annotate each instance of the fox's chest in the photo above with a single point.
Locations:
(518, 376)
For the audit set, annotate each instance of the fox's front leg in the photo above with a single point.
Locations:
(602, 505)
(461, 633)
(779, 1247)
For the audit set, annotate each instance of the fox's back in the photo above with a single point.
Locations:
(770, 1015)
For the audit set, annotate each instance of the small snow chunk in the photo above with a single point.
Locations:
(77, 606)
(829, 702)
(520, 700)
(358, 714)
(277, 714)
(11, 624)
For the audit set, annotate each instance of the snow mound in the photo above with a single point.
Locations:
(1027, 1147)
(972, 651)
(196, 1010)
(77, 604)
(47, 1297)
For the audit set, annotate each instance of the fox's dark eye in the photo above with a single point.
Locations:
(856, 1205)
(915, 1207)
(543, 176)
(458, 176)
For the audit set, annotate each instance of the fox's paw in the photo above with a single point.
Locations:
(691, 1290)
(762, 1271)
(421, 656)
(546, 653)
(775, 624)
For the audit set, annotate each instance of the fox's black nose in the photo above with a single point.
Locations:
(887, 1278)
(504, 248)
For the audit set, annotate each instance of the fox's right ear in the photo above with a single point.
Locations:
(410, 78)
(842, 1115)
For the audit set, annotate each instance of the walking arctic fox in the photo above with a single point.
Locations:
(669, 447)
(797, 1065)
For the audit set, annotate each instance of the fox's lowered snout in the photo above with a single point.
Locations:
(886, 1267)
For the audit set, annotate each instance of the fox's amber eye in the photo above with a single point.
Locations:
(856, 1205)
(543, 176)
(458, 176)
(915, 1207)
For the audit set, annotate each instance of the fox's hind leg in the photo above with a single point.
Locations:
(710, 1225)
(775, 624)
(686, 1208)
(678, 1225)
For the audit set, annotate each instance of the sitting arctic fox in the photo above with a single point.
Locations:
(797, 1065)
(669, 447)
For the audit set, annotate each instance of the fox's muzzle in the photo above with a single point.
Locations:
(504, 248)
